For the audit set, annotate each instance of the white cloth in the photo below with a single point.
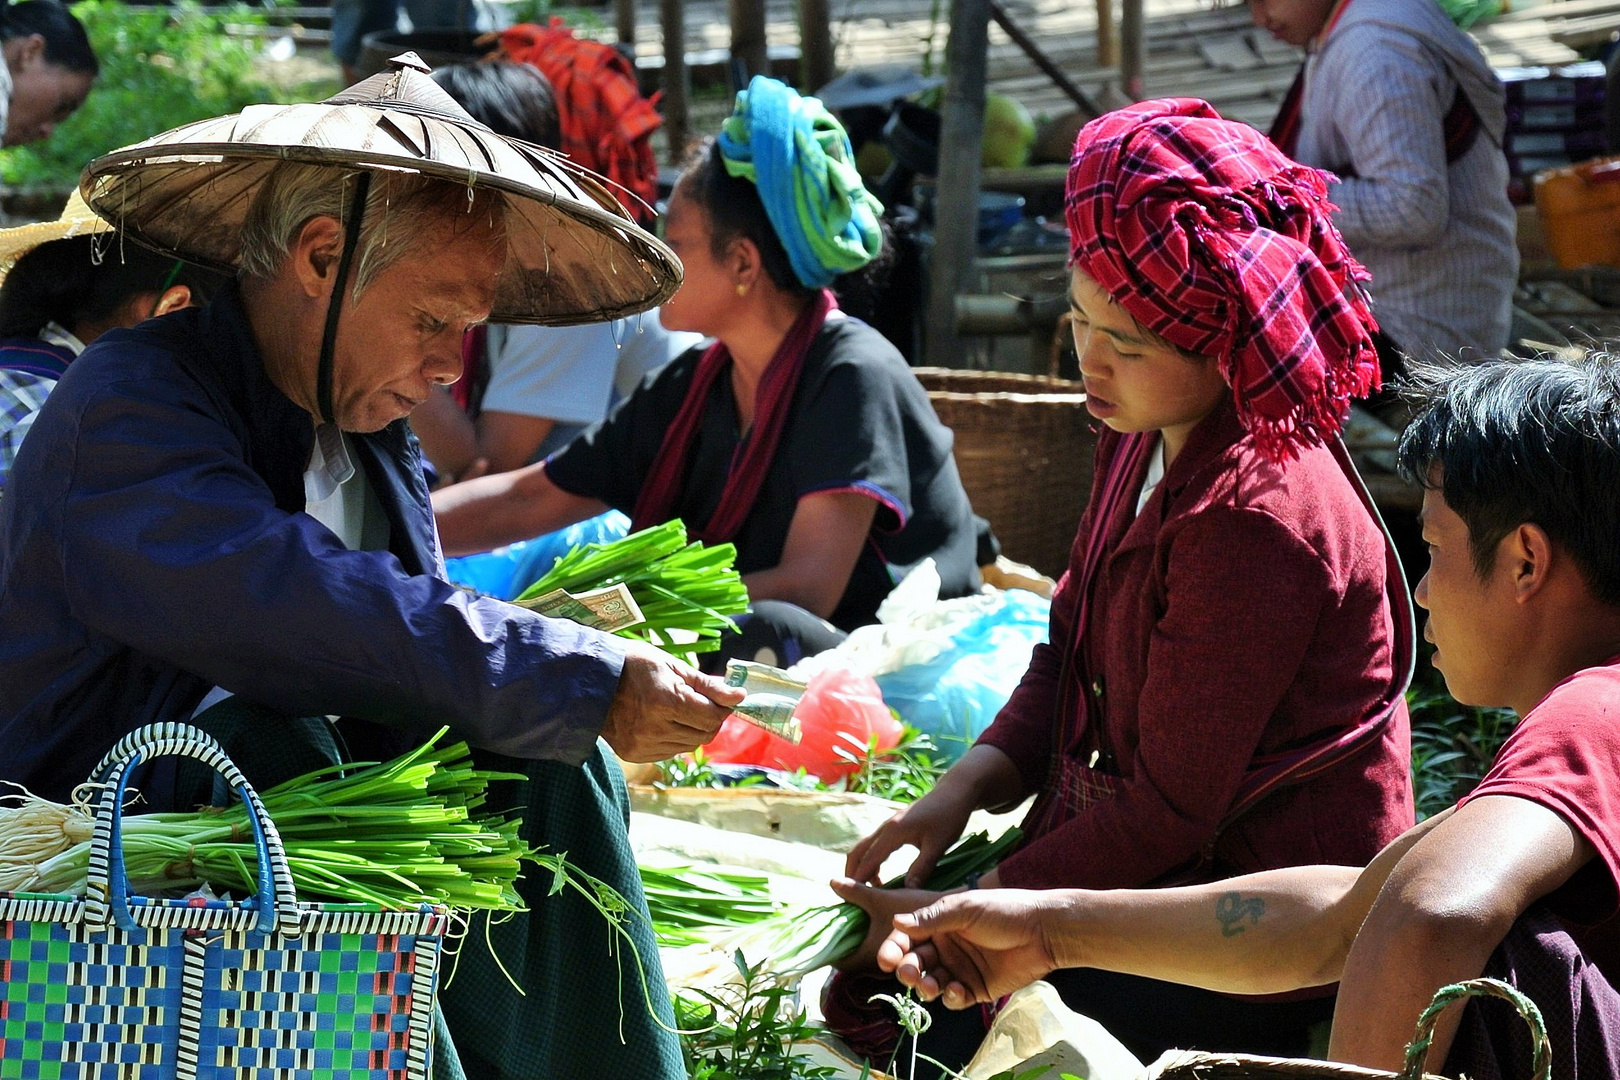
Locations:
(1155, 473)
(1438, 239)
(571, 374)
(5, 97)
(54, 333)
(339, 496)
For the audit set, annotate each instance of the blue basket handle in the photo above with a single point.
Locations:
(107, 883)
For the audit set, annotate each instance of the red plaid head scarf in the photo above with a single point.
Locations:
(1215, 241)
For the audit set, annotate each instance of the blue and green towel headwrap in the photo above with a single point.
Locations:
(799, 158)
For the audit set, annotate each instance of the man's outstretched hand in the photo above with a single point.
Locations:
(967, 947)
(664, 707)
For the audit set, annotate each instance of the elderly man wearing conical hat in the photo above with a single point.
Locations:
(220, 517)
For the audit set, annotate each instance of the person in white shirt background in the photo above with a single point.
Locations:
(1402, 106)
(530, 389)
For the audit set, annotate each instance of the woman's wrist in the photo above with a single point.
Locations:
(1064, 919)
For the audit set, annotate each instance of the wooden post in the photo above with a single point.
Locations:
(816, 67)
(748, 37)
(1131, 48)
(1106, 55)
(956, 189)
(624, 20)
(672, 16)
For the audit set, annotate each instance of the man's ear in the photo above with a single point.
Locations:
(1528, 552)
(314, 255)
(174, 298)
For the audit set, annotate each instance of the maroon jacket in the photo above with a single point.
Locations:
(1243, 612)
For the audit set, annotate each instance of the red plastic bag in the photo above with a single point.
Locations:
(840, 711)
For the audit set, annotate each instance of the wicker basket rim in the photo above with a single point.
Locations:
(1013, 396)
(1178, 1062)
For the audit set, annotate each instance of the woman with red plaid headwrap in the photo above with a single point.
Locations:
(1223, 690)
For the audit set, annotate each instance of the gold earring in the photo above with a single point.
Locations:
(742, 290)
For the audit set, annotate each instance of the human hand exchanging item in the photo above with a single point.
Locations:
(931, 824)
(970, 947)
(664, 707)
(881, 906)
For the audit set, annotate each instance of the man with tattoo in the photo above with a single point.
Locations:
(1520, 463)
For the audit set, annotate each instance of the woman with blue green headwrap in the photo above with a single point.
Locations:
(800, 434)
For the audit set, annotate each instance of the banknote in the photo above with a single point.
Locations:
(773, 713)
(609, 609)
(763, 679)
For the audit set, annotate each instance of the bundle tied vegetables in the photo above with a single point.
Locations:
(398, 834)
(685, 589)
(799, 940)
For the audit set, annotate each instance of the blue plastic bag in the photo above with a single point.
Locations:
(953, 697)
(506, 572)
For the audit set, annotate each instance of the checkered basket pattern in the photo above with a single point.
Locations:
(121, 987)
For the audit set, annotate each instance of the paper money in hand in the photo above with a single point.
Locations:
(609, 610)
(763, 679)
(773, 694)
(773, 713)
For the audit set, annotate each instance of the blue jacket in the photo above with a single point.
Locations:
(153, 545)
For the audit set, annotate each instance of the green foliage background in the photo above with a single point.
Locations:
(1452, 745)
(159, 68)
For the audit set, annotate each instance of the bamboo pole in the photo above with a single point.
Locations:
(672, 17)
(1132, 48)
(956, 189)
(748, 37)
(1106, 53)
(624, 21)
(816, 67)
(1038, 57)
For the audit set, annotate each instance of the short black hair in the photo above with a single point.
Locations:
(66, 44)
(735, 210)
(514, 100)
(84, 279)
(1525, 441)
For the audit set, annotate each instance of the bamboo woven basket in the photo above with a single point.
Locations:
(1024, 448)
(1190, 1065)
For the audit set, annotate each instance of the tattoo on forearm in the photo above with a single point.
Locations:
(1231, 909)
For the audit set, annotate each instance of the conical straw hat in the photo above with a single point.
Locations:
(77, 220)
(574, 256)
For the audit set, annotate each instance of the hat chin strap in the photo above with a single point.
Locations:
(334, 306)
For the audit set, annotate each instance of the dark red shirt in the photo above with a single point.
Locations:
(1565, 755)
(1243, 612)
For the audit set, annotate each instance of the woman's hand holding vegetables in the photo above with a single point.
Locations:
(881, 906)
(984, 777)
(973, 946)
(931, 824)
(663, 707)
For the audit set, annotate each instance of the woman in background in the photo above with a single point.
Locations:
(801, 435)
(70, 283)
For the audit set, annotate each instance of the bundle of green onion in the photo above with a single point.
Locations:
(683, 587)
(798, 941)
(398, 834)
(689, 905)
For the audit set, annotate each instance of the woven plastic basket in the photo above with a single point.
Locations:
(135, 988)
(1189, 1065)
(1024, 447)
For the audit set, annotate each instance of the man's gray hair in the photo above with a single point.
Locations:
(401, 209)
